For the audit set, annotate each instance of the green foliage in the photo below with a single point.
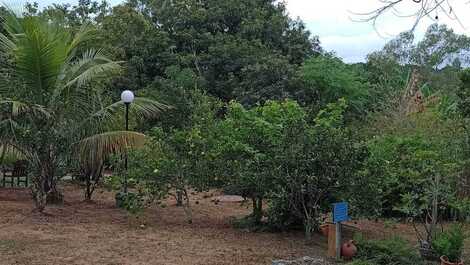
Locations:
(178, 159)
(328, 79)
(248, 142)
(450, 243)
(318, 162)
(385, 252)
(464, 93)
(406, 156)
(132, 202)
(112, 183)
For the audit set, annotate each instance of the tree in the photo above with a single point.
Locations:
(130, 36)
(233, 45)
(53, 111)
(327, 79)
(318, 164)
(248, 141)
(179, 159)
(433, 63)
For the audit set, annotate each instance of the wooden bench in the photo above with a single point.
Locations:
(19, 175)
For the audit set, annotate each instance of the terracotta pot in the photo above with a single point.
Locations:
(348, 250)
(445, 261)
(324, 228)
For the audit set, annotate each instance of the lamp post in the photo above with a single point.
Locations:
(127, 97)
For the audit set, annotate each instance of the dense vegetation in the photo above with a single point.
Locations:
(236, 95)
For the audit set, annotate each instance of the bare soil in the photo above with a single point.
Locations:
(98, 233)
(78, 232)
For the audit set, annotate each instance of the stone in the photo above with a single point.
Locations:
(302, 261)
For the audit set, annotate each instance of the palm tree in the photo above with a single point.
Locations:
(52, 108)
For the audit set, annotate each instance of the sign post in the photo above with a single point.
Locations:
(340, 214)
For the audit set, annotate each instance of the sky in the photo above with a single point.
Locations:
(336, 23)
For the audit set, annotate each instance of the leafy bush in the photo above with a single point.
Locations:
(385, 252)
(112, 183)
(132, 202)
(279, 214)
(361, 262)
(317, 162)
(450, 243)
(248, 143)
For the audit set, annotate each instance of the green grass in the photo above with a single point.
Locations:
(7, 245)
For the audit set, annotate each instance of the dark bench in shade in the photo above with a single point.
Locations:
(18, 176)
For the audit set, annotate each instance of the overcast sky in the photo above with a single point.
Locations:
(333, 21)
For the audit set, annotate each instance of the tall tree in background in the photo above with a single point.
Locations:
(244, 49)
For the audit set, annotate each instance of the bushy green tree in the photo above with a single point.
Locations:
(248, 144)
(327, 79)
(318, 163)
(408, 153)
(234, 45)
(180, 159)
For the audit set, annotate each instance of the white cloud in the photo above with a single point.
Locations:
(334, 22)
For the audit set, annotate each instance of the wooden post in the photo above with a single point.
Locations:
(338, 240)
(331, 241)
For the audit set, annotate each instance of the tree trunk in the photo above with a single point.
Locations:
(257, 209)
(53, 195)
(39, 195)
(88, 190)
(187, 208)
(179, 197)
(309, 227)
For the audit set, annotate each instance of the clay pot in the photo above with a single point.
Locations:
(348, 250)
(445, 261)
(324, 228)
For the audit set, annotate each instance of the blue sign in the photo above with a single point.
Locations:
(340, 212)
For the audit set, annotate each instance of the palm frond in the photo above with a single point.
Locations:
(141, 108)
(93, 64)
(84, 34)
(40, 54)
(98, 147)
(10, 153)
(18, 108)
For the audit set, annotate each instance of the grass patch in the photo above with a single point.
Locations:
(7, 245)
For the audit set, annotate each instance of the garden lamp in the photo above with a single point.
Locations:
(127, 97)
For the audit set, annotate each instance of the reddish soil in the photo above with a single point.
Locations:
(99, 233)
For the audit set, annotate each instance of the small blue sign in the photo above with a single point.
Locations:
(340, 212)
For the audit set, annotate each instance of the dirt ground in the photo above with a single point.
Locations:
(99, 233)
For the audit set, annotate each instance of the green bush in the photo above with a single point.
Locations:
(132, 202)
(112, 183)
(361, 262)
(450, 243)
(385, 252)
(279, 214)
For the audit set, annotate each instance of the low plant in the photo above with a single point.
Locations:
(133, 203)
(361, 262)
(394, 250)
(450, 243)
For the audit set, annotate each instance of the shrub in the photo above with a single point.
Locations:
(450, 243)
(279, 214)
(317, 164)
(361, 262)
(132, 202)
(385, 252)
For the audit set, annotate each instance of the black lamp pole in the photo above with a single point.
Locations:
(125, 155)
